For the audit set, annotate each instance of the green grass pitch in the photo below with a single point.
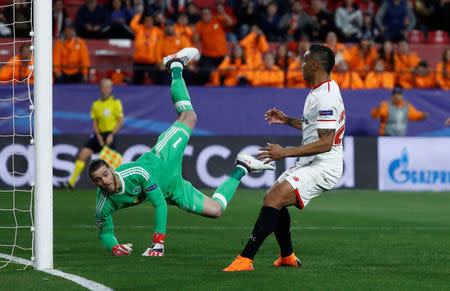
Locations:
(346, 239)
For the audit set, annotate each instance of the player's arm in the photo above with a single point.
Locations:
(106, 232)
(94, 118)
(103, 214)
(275, 152)
(97, 132)
(276, 116)
(156, 197)
(326, 124)
(119, 125)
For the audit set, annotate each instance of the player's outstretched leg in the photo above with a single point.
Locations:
(245, 164)
(283, 235)
(178, 90)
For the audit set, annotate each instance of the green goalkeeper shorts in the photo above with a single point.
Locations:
(186, 197)
(170, 149)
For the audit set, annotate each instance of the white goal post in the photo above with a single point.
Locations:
(43, 129)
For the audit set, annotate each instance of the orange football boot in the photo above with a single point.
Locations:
(289, 261)
(240, 264)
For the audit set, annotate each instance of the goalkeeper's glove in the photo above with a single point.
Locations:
(157, 247)
(122, 250)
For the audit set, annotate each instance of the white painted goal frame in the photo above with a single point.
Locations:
(43, 129)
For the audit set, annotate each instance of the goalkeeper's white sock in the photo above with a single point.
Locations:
(178, 90)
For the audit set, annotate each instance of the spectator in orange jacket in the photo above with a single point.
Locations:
(405, 62)
(423, 78)
(222, 8)
(345, 78)
(443, 71)
(228, 72)
(295, 75)
(395, 113)
(146, 39)
(361, 57)
(379, 78)
(182, 28)
(254, 44)
(209, 32)
(266, 75)
(18, 68)
(386, 54)
(337, 47)
(283, 57)
(168, 44)
(70, 58)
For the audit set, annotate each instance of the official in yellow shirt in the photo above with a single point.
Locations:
(107, 120)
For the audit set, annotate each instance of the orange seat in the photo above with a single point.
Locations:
(438, 37)
(416, 36)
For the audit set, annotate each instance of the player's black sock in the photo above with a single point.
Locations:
(283, 233)
(265, 225)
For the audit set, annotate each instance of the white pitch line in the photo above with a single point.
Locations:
(88, 284)
(348, 228)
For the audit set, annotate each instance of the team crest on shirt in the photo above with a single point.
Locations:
(106, 112)
(136, 190)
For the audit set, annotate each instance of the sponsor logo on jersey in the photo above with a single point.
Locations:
(136, 189)
(151, 188)
(296, 179)
(325, 112)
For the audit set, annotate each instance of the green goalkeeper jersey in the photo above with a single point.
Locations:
(143, 180)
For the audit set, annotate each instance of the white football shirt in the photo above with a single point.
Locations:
(324, 109)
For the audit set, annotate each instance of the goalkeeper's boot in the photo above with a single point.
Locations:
(66, 185)
(240, 264)
(289, 261)
(184, 56)
(155, 250)
(250, 164)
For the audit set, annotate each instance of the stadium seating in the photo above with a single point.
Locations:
(438, 37)
(205, 3)
(416, 36)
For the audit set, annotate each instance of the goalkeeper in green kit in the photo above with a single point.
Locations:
(156, 176)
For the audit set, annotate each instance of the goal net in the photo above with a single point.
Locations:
(19, 127)
(16, 107)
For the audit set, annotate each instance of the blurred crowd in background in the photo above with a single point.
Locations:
(246, 42)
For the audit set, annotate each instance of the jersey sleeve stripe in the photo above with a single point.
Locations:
(164, 141)
(101, 203)
(136, 170)
(126, 172)
(184, 131)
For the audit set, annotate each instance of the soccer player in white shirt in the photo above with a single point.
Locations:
(319, 167)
